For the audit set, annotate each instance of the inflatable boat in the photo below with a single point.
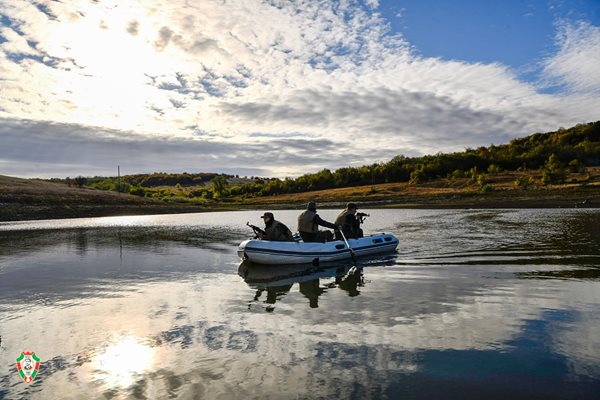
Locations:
(267, 252)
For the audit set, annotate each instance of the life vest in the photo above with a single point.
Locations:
(341, 219)
(306, 222)
(278, 232)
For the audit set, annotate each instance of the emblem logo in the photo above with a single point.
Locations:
(28, 365)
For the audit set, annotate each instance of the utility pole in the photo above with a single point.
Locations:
(373, 190)
(119, 179)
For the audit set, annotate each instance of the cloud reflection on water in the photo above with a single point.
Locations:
(457, 316)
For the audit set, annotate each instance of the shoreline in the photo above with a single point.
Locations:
(15, 212)
(26, 200)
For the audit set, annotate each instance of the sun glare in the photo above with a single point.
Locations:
(122, 361)
(112, 87)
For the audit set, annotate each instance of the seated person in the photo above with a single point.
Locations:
(308, 225)
(349, 223)
(274, 230)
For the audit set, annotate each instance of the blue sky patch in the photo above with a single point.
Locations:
(511, 32)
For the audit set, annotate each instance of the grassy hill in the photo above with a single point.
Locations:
(39, 199)
(581, 190)
(554, 169)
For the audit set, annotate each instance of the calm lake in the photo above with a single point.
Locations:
(481, 304)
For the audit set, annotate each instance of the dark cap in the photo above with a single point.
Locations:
(268, 214)
(311, 205)
(351, 206)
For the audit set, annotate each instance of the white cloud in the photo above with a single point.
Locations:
(372, 3)
(133, 27)
(575, 65)
(16, 44)
(294, 69)
(55, 149)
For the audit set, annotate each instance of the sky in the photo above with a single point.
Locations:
(282, 88)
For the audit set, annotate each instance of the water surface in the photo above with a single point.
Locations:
(474, 304)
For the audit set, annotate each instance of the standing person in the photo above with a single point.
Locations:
(274, 230)
(308, 225)
(349, 223)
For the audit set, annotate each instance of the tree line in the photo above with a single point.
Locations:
(554, 153)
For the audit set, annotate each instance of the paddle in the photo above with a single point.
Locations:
(347, 245)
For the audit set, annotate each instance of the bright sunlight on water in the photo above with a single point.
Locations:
(490, 304)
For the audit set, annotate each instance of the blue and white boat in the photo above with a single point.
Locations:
(267, 252)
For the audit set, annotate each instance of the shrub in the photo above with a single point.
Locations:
(219, 184)
(482, 180)
(486, 188)
(417, 176)
(553, 171)
(473, 172)
(457, 174)
(80, 181)
(137, 191)
(575, 166)
(524, 182)
(494, 169)
(105, 184)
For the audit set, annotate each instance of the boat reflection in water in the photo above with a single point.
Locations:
(276, 281)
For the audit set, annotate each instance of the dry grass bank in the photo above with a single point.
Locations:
(36, 199)
(461, 192)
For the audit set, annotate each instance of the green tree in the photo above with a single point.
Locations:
(474, 173)
(219, 184)
(80, 181)
(494, 169)
(457, 174)
(417, 176)
(576, 166)
(553, 171)
(137, 191)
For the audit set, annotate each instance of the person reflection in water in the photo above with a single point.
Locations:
(274, 293)
(351, 282)
(312, 290)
